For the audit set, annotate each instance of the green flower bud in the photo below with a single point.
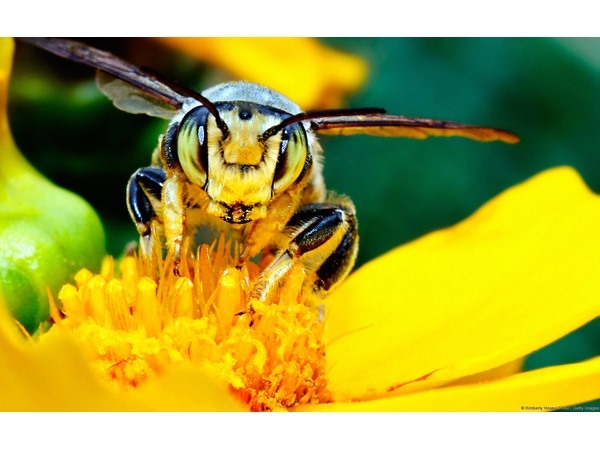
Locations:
(46, 232)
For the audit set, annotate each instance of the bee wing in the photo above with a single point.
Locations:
(129, 87)
(411, 127)
(132, 99)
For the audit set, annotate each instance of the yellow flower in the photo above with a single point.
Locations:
(438, 324)
(442, 323)
(311, 74)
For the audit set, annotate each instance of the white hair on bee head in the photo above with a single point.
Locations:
(250, 92)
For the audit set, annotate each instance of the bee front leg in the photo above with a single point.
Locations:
(174, 215)
(323, 238)
(144, 202)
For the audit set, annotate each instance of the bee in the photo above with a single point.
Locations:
(245, 159)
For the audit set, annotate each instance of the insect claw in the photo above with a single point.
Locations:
(244, 312)
(250, 311)
(176, 271)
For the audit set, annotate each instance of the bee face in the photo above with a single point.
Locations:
(240, 168)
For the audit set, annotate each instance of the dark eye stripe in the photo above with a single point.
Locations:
(192, 145)
(198, 118)
(282, 160)
(294, 159)
(169, 146)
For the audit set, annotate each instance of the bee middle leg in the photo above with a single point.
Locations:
(323, 238)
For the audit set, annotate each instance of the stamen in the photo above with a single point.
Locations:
(144, 319)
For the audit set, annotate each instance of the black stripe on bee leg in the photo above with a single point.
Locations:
(325, 241)
(323, 238)
(143, 200)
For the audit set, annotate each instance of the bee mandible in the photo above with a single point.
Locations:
(245, 159)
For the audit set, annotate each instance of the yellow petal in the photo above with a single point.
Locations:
(546, 389)
(187, 389)
(518, 274)
(55, 375)
(311, 74)
(502, 371)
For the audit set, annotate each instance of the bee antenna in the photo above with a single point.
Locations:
(319, 114)
(183, 90)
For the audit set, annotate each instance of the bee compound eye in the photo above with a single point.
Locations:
(293, 156)
(192, 139)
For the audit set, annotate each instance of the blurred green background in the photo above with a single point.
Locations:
(545, 90)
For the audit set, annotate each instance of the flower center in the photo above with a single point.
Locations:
(135, 326)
